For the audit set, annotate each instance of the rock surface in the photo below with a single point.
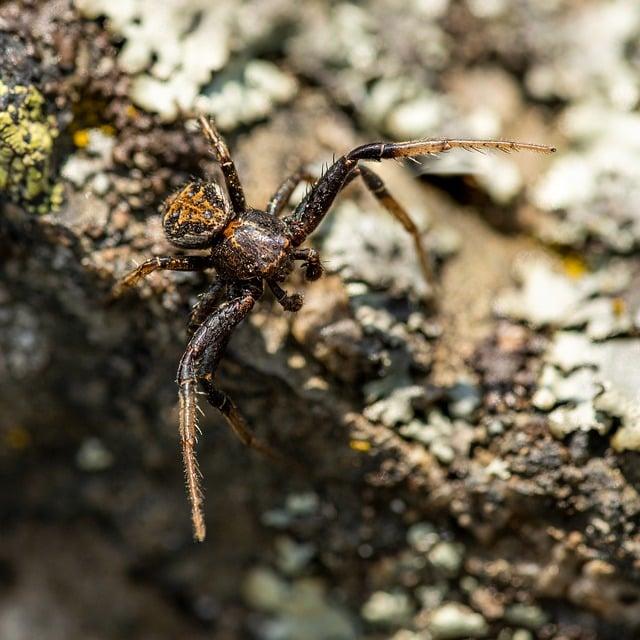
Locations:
(470, 468)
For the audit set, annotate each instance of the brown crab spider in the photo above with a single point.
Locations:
(250, 247)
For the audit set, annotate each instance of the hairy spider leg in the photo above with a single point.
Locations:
(413, 148)
(207, 344)
(206, 305)
(175, 263)
(311, 211)
(282, 195)
(314, 206)
(377, 187)
(221, 151)
(197, 367)
(313, 269)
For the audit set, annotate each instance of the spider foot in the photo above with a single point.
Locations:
(122, 286)
(292, 302)
(312, 266)
(288, 301)
(312, 270)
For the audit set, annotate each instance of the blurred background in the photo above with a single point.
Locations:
(471, 462)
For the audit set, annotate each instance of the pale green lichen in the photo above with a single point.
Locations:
(27, 135)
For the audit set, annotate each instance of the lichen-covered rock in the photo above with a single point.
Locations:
(186, 69)
(590, 190)
(498, 496)
(546, 296)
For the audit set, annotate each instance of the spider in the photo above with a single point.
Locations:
(250, 247)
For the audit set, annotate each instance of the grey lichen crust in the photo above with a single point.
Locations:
(27, 137)
(188, 68)
(591, 373)
(591, 191)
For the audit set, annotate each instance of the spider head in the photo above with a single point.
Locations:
(196, 215)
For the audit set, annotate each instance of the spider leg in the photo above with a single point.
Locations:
(289, 302)
(221, 401)
(315, 205)
(206, 304)
(198, 366)
(207, 344)
(175, 263)
(282, 195)
(312, 266)
(221, 151)
(382, 150)
(311, 211)
(377, 187)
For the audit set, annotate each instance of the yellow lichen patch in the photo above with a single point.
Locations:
(574, 266)
(108, 130)
(619, 306)
(27, 135)
(360, 445)
(81, 138)
(131, 112)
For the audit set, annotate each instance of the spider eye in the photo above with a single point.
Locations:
(196, 215)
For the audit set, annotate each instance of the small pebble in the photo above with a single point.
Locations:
(544, 399)
(302, 504)
(293, 557)
(93, 456)
(452, 621)
(443, 452)
(422, 536)
(388, 608)
(525, 615)
(264, 589)
(464, 399)
(447, 557)
(495, 428)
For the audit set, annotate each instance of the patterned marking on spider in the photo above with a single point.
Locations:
(249, 247)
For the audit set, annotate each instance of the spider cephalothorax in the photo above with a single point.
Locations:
(249, 247)
(196, 215)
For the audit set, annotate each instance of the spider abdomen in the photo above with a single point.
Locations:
(254, 245)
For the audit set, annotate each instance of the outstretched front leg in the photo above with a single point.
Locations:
(197, 368)
(175, 263)
(311, 211)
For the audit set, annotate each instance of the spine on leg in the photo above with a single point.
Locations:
(310, 212)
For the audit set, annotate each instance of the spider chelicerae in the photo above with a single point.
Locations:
(250, 247)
